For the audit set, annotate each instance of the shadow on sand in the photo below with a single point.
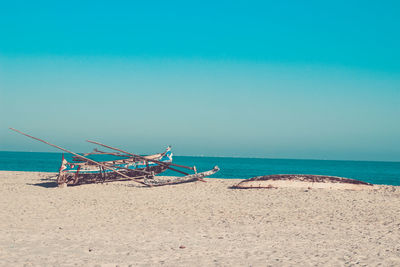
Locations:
(46, 184)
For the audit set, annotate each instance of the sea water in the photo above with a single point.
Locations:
(377, 172)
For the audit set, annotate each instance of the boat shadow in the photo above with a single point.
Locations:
(46, 184)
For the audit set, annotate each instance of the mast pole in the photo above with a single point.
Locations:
(165, 164)
(79, 156)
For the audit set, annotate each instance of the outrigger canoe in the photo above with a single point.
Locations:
(84, 172)
(137, 168)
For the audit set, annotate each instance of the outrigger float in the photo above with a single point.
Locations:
(130, 167)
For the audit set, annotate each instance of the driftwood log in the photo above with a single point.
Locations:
(179, 180)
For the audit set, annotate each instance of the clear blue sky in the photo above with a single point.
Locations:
(280, 79)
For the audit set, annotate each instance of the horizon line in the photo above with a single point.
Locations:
(238, 157)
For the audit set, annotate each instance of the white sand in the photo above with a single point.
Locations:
(121, 224)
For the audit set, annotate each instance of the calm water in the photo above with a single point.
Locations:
(369, 171)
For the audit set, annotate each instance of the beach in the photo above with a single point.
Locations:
(194, 224)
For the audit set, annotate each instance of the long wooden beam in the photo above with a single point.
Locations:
(123, 168)
(165, 164)
(79, 156)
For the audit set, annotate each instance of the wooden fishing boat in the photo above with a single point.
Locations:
(84, 170)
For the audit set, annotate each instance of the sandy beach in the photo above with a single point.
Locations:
(194, 224)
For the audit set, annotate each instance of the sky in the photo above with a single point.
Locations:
(274, 79)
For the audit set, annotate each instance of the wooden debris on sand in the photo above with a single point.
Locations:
(179, 180)
(303, 181)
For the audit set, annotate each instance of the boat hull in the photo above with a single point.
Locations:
(77, 173)
(307, 181)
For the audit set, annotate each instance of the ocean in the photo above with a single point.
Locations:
(377, 172)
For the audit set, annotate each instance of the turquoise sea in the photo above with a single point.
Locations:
(376, 172)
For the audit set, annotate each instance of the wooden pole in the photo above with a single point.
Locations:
(79, 156)
(123, 168)
(142, 157)
(165, 164)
